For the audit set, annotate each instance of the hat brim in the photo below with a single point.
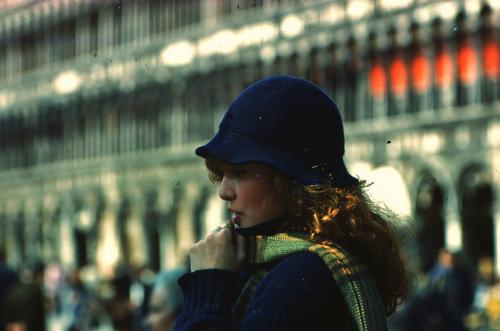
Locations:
(234, 148)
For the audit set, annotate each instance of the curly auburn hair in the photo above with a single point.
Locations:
(347, 217)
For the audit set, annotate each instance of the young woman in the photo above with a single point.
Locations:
(305, 248)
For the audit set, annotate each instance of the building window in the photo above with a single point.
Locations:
(117, 23)
(67, 39)
(420, 71)
(377, 79)
(467, 64)
(94, 32)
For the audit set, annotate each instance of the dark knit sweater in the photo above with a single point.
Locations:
(299, 293)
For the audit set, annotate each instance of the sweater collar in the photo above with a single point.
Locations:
(267, 228)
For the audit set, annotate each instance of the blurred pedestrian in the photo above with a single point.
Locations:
(25, 303)
(479, 318)
(8, 278)
(452, 283)
(121, 309)
(165, 301)
(305, 249)
(444, 301)
(74, 298)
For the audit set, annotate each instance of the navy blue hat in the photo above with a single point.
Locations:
(288, 123)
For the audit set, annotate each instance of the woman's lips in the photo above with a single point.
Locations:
(236, 218)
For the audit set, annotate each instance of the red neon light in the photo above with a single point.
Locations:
(399, 77)
(420, 73)
(444, 70)
(467, 64)
(378, 81)
(491, 60)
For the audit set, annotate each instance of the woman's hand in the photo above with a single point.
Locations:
(221, 249)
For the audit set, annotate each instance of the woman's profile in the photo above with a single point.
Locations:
(305, 249)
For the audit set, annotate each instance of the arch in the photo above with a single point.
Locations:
(434, 165)
(429, 217)
(389, 188)
(432, 172)
(476, 189)
(386, 185)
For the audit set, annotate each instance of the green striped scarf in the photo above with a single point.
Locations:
(351, 275)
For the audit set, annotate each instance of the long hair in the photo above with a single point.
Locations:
(349, 218)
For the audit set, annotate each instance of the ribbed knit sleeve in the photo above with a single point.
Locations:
(298, 294)
(209, 296)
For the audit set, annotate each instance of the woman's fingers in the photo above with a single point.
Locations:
(224, 226)
(223, 248)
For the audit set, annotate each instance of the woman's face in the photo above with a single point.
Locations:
(251, 193)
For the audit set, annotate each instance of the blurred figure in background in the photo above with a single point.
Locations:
(139, 292)
(478, 319)
(452, 283)
(443, 302)
(25, 303)
(485, 280)
(53, 281)
(120, 307)
(165, 301)
(8, 279)
(73, 301)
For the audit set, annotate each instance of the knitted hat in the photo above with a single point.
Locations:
(288, 123)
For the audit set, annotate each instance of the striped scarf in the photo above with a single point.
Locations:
(351, 276)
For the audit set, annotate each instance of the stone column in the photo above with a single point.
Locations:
(13, 254)
(9, 209)
(108, 252)
(496, 229)
(214, 213)
(185, 219)
(453, 228)
(32, 216)
(495, 168)
(50, 247)
(167, 226)
(135, 229)
(3, 226)
(66, 233)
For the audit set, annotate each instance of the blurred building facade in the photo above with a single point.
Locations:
(103, 102)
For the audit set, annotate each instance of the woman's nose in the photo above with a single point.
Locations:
(226, 191)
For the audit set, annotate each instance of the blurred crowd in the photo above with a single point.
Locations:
(450, 296)
(41, 297)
